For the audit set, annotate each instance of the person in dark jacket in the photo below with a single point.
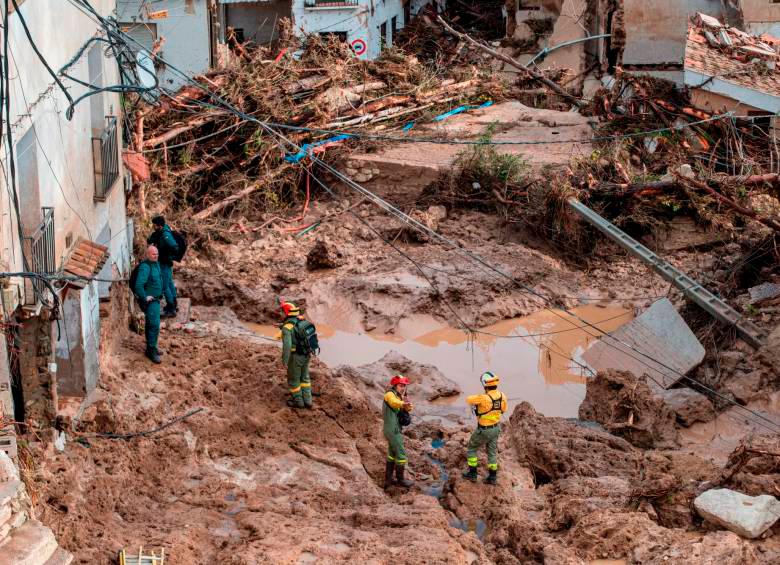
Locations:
(149, 291)
(162, 238)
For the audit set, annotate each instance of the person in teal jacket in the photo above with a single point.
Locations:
(149, 291)
(162, 238)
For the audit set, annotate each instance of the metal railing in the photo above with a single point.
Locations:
(105, 157)
(40, 253)
(331, 3)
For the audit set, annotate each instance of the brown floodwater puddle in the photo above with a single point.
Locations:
(533, 367)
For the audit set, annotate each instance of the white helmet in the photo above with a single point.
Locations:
(489, 379)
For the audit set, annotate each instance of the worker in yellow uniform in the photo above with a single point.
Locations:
(395, 415)
(488, 407)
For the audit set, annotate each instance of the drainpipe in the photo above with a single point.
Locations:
(547, 50)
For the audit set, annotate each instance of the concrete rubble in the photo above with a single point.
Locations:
(659, 332)
(747, 516)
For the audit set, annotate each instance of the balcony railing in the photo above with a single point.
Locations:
(331, 3)
(105, 157)
(40, 254)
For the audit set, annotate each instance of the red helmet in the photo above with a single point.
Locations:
(399, 380)
(290, 309)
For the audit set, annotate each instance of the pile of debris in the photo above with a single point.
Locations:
(207, 162)
(656, 158)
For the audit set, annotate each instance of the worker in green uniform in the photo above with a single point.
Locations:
(297, 363)
(488, 408)
(162, 238)
(394, 408)
(149, 291)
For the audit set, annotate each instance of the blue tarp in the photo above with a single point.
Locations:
(460, 109)
(307, 148)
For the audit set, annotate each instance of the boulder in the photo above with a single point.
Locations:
(626, 406)
(747, 516)
(323, 256)
(554, 448)
(743, 387)
(688, 405)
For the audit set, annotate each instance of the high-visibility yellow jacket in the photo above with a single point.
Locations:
(489, 406)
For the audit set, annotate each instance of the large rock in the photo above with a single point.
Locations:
(574, 498)
(748, 516)
(324, 256)
(688, 405)
(627, 407)
(554, 448)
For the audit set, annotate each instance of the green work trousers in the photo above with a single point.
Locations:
(169, 289)
(480, 437)
(395, 447)
(298, 380)
(152, 323)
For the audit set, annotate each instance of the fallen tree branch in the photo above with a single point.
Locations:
(192, 124)
(217, 206)
(517, 64)
(768, 222)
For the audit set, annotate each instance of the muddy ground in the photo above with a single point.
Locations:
(248, 480)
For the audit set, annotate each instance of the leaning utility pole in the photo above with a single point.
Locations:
(713, 305)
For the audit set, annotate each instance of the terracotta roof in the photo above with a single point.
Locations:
(731, 55)
(85, 260)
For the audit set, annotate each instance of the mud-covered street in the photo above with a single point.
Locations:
(249, 480)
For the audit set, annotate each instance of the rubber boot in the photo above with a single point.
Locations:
(389, 474)
(153, 356)
(471, 474)
(492, 477)
(400, 470)
(169, 311)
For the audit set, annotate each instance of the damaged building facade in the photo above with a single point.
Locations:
(63, 208)
(198, 33)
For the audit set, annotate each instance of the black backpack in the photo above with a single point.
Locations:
(132, 281)
(306, 340)
(181, 243)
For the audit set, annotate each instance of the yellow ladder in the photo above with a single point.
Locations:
(141, 559)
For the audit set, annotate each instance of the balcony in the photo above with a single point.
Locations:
(105, 158)
(331, 4)
(40, 255)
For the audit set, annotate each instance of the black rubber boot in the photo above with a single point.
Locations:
(492, 477)
(400, 470)
(471, 474)
(169, 311)
(389, 474)
(153, 356)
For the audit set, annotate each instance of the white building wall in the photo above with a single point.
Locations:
(361, 23)
(63, 148)
(185, 29)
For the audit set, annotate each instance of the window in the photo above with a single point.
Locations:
(382, 35)
(407, 12)
(95, 69)
(28, 185)
(105, 158)
(393, 29)
(340, 35)
(142, 33)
